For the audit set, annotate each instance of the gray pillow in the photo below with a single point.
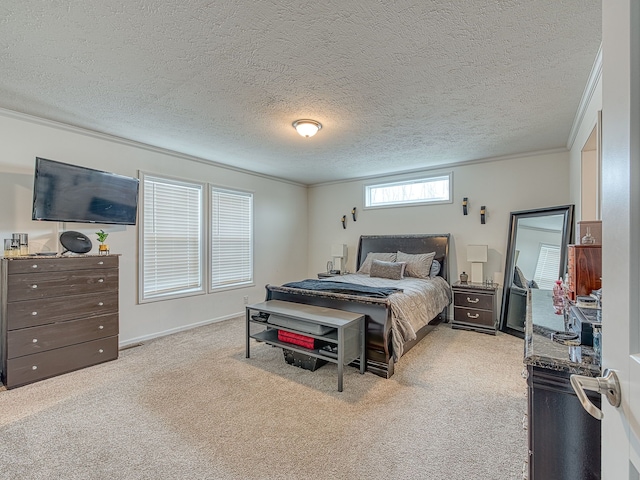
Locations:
(418, 265)
(382, 269)
(366, 265)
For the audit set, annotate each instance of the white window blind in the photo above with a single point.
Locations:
(172, 238)
(548, 266)
(231, 238)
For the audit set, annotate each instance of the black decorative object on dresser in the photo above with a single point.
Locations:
(474, 307)
(57, 315)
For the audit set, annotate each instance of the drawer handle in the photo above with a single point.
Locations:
(34, 286)
(473, 316)
(34, 313)
(100, 304)
(473, 301)
(35, 367)
(34, 266)
(101, 351)
(100, 280)
(35, 340)
(100, 263)
(100, 327)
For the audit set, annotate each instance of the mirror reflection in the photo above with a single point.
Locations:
(536, 258)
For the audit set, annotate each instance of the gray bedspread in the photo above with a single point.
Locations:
(420, 301)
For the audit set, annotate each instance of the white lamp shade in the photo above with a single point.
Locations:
(477, 253)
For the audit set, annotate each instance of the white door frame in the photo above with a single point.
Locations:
(621, 233)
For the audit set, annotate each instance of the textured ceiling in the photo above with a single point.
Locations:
(398, 85)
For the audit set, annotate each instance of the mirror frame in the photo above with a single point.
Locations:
(567, 237)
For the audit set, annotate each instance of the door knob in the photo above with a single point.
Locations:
(608, 385)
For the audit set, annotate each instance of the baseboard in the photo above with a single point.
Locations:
(145, 338)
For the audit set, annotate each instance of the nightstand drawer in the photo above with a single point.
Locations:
(474, 316)
(473, 300)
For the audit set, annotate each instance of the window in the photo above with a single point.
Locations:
(548, 266)
(231, 238)
(436, 189)
(171, 238)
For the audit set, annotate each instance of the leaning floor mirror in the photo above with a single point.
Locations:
(536, 257)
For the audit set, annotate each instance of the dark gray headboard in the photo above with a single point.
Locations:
(407, 244)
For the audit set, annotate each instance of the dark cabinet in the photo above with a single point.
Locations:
(584, 269)
(474, 307)
(564, 440)
(57, 315)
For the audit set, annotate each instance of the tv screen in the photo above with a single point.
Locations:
(69, 193)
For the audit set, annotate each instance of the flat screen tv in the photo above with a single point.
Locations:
(69, 193)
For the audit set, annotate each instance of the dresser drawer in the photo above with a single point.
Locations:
(28, 341)
(473, 300)
(474, 316)
(31, 286)
(59, 309)
(31, 368)
(57, 264)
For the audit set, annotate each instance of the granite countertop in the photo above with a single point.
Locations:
(539, 348)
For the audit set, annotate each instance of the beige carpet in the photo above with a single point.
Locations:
(190, 406)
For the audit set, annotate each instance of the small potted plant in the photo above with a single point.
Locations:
(103, 248)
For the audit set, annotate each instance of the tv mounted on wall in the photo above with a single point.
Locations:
(68, 193)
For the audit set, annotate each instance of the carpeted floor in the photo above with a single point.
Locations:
(190, 406)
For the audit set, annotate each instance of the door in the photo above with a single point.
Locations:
(621, 233)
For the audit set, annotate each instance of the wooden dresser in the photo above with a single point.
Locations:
(57, 314)
(584, 267)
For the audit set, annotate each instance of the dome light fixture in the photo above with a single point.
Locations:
(307, 128)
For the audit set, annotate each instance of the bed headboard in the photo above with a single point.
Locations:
(408, 244)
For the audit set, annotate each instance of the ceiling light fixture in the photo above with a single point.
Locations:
(307, 128)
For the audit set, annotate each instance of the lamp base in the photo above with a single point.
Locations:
(476, 273)
(338, 264)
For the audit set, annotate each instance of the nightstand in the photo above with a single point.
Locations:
(474, 307)
(327, 275)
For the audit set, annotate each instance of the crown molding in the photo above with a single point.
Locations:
(135, 144)
(587, 95)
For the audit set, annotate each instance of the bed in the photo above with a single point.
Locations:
(388, 333)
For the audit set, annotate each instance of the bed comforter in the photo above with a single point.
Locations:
(418, 303)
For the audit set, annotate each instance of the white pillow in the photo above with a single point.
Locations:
(435, 268)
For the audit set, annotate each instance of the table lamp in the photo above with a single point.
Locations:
(477, 255)
(339, 254)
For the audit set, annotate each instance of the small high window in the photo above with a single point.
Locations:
(436, 189)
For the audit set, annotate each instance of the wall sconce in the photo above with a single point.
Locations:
(477, 255)
(344, 221)
(465, 201)
(483, 213)
(353, 213)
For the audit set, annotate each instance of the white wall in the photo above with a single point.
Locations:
(503, 186)
(588, 121)
(279, 208)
